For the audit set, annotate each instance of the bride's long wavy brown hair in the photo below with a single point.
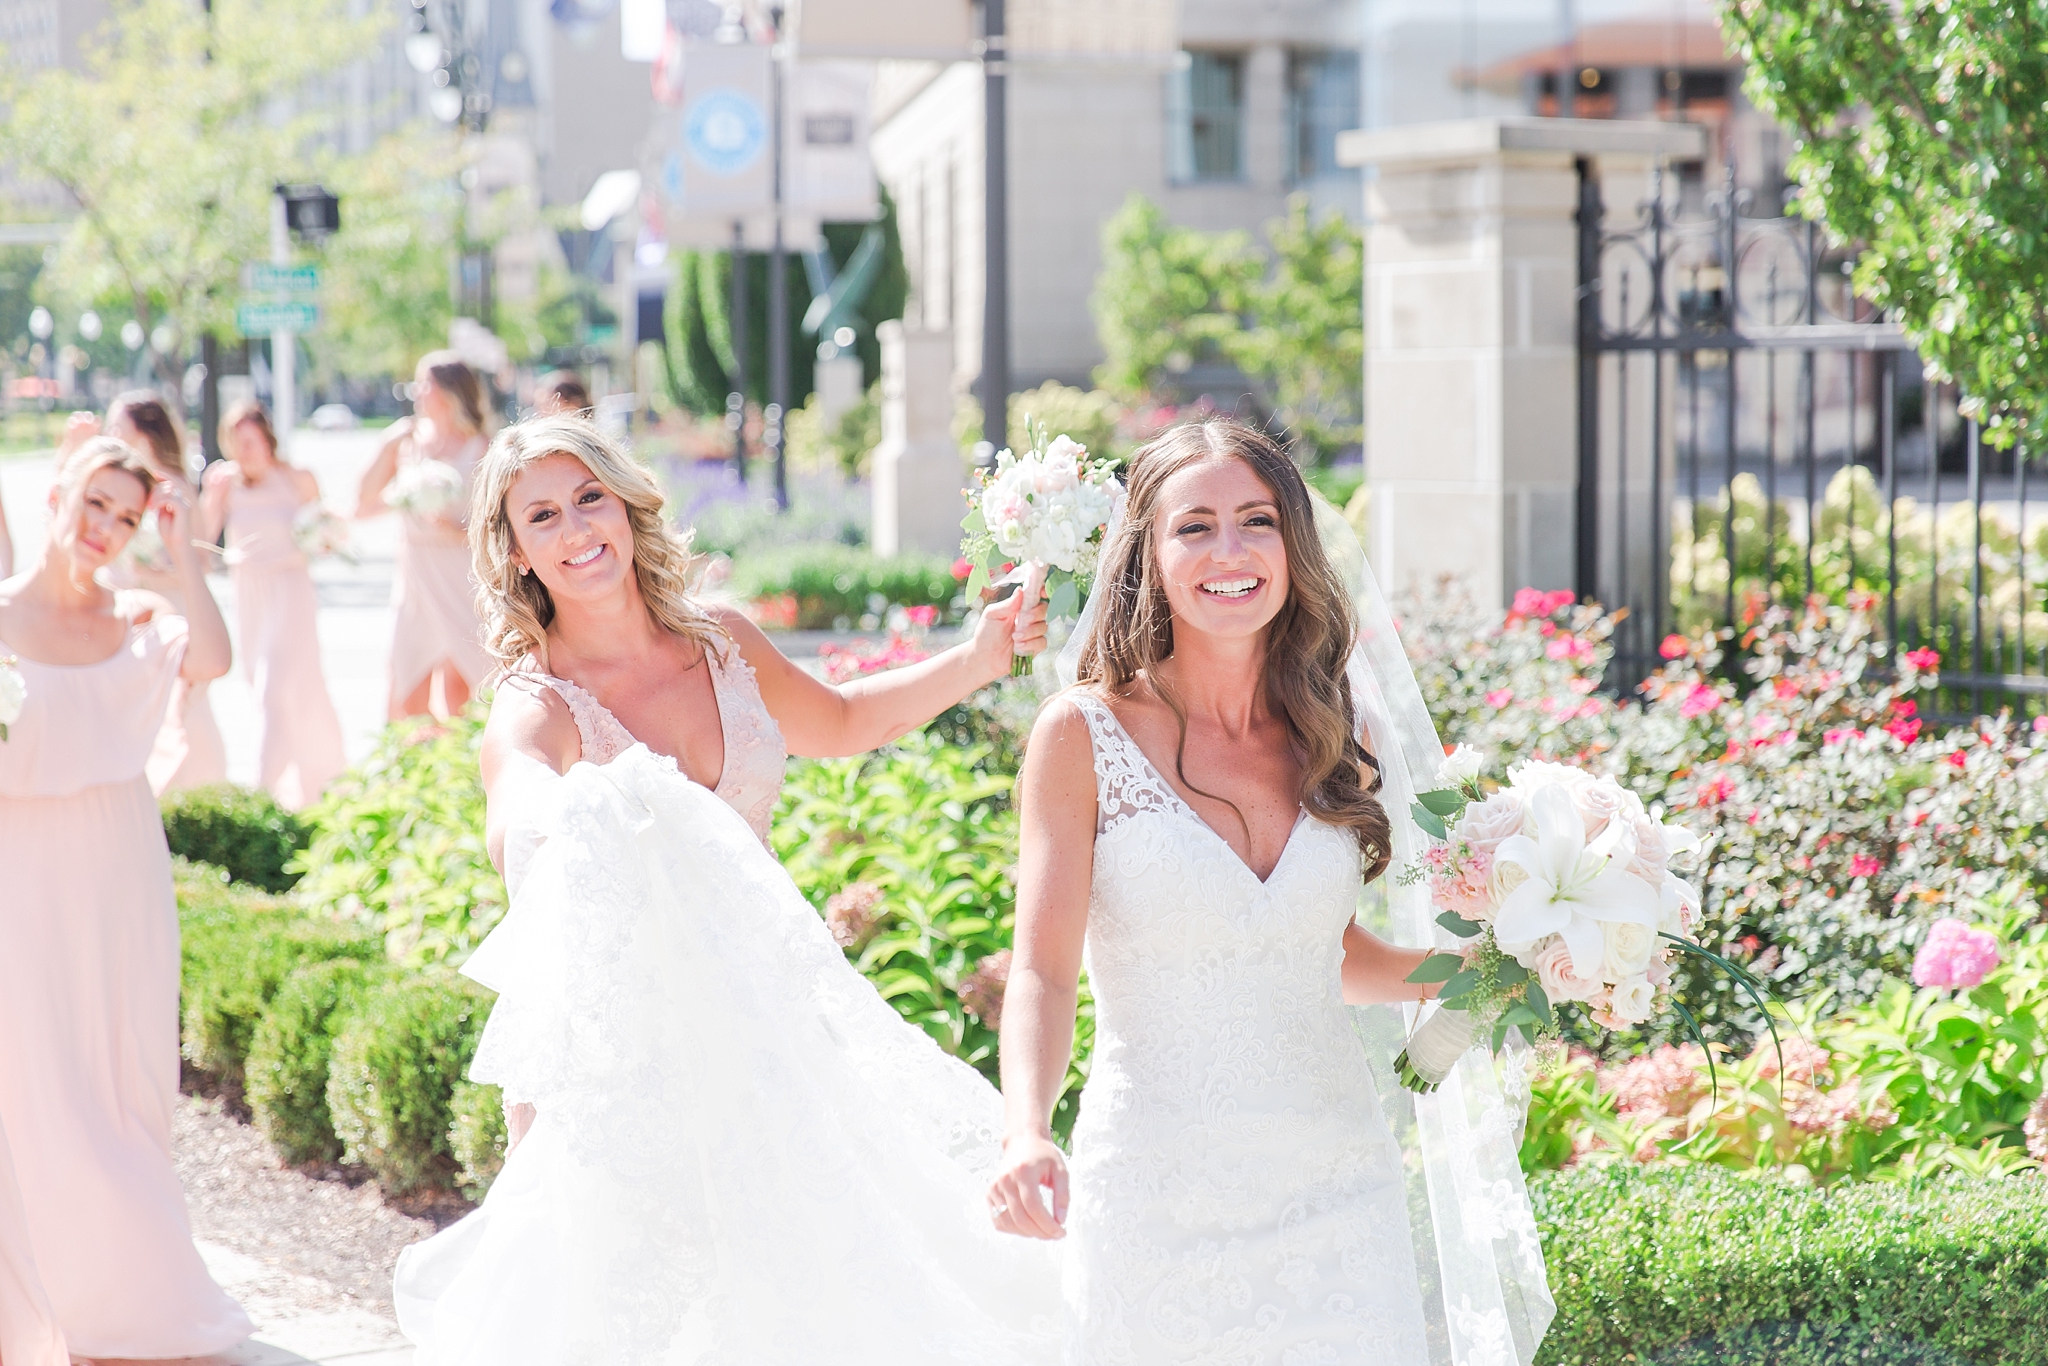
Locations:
(1308, 642)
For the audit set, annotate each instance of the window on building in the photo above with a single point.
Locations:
(1206, 117)
(1322, 99)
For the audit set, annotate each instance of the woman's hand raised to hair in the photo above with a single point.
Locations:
(1017, 1197)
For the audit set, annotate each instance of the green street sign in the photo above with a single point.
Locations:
(267, 279)
(261, 317)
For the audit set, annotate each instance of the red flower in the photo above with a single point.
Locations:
(1715, 792)
(1864, 865)
(1675, 647)
(1838, 736)
(1528, 603)
(1903, 708)
(1701, 700)
(1924, 659)
(962, 569)
(1959, 759)
(921, 616)
(1905, 731)
(1785, 687)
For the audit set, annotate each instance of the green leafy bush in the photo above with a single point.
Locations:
(399, 842)
(909, 854)
(476, 1137)
(828, 586)
(288, 1060)
(238, 947)
(240, 829)
(392, 1078)
(1645, 1262)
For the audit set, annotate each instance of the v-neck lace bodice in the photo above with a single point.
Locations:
(1237, 1195)
(755, 755)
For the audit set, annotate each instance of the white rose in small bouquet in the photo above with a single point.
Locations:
(425, 488)
(320, 532)
(1559, 882)
(1049, 506)
(13, 693)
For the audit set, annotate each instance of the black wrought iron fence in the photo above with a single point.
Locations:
(1751, 431)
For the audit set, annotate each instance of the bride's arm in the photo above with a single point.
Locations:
(1056, 804)
(1375, 971)
(825, 721)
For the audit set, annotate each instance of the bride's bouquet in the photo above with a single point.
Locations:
(1561, 883)
(319, 532)
(13, 694)
(425, 488)
(1050, 506)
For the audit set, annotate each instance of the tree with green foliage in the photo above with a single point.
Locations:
(698, 317)
(1923, 128)
(169, 141)
(1172, 298)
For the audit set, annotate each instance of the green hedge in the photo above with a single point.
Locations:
(238, 947)
(288, 1061)
(833, 585)
(1701, 1266)
(239, 829)
(398, 1057)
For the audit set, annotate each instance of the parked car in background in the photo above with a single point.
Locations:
(332, 417)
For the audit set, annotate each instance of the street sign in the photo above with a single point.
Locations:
(258, 278)
(261, 317)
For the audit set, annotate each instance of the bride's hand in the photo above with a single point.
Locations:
(1014, 626)
(1016, 1198)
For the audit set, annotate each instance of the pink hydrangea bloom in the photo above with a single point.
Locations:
(1701, 700)
(1954, 955)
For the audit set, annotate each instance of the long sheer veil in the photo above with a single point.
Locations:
(1485, 1298)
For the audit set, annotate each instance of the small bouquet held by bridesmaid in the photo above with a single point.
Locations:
(1050, 506)
(425, 488)
(13, 694)
(1561, 884)
(320, 532)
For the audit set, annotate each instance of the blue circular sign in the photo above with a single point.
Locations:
(725, 131)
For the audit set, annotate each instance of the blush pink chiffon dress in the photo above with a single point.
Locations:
(89, 1011)
(433, 593)
(276, 609)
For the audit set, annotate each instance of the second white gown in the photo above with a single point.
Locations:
(743, 1156)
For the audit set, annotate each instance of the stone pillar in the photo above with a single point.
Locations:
(917, 472)
(1471, 356)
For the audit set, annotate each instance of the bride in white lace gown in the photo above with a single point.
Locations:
(1197, 823)
(728, 1149)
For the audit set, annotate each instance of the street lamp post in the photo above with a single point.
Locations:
(460, 97)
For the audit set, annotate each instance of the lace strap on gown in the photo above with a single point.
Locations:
(1125, 781)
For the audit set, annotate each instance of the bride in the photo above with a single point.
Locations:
(727, 1148)
(1198, 817)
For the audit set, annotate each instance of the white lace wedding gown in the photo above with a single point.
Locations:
(1238, 1199)
(743, 1156)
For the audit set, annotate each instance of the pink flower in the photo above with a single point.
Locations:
(1485, 824)
(1559, 980)
(1959, 759)
(962, 569)
(2041, 724)
(1905, 730)
(1785, 687)
(981, 991)
(1924, 659)
(1701, 700)
(853, 913)
(1864, 865)
(1528, 603)
(1568, 646)
(1675, 647)
(1500, 697)
(1905, 708)
(922, 617)
(1665, 1082)
(1714, 793)
(1841, 735)
(1954, 955)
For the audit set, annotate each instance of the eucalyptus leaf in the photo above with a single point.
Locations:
(1438, 967)
(1459, 925)
(1446, 801)
(1431, 823)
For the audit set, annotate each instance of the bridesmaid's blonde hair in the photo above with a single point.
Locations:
(104, 453)
(517, 608)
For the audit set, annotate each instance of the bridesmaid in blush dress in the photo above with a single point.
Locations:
(256, 496)
(89, 975)
(437, 651)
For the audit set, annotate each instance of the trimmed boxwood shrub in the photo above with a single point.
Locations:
(239, 829)
(477, 1136)
(391, 1081)
(1696, 1265)
(288, 1059)
(827, 582)
(238, 947)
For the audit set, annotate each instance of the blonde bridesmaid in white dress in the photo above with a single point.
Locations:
(89, 975)
(437, 651)
(256, 496)
(189, 751)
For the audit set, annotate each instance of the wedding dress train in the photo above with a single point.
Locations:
(743, 1156)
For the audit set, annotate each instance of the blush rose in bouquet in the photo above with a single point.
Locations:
(1050, 506)
(425, 488)
(319, 532)
(1561, 883)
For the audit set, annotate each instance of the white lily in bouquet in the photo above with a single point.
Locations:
(1050, 506)
(1561, 881)
(13, 693)
(425, 488)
